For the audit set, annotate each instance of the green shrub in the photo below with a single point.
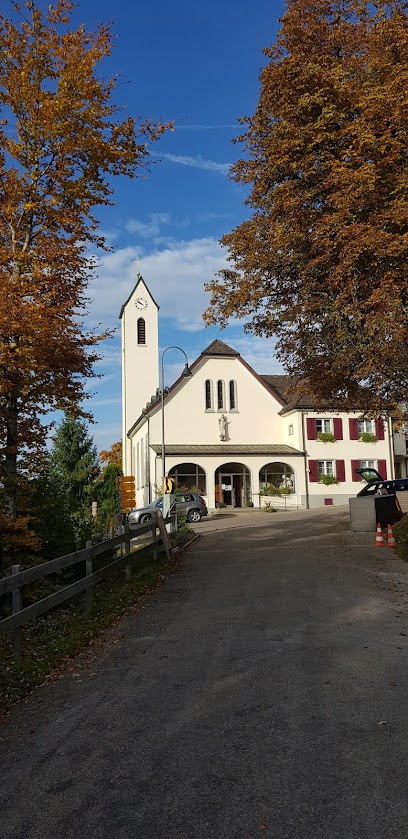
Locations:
(268, 508)
(184, 531)
(400, 531)
(269, 489)
(367, 437)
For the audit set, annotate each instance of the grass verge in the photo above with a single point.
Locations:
(53, 639)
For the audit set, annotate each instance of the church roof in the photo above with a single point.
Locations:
(219, 348)
(295, 394)
(139, 280)
(230, 449)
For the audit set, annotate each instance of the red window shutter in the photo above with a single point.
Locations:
(311, 428)
(313, 471)
(353, 426)
(379, 429)
(340, 470)
(355, 464)
(338, 428)
(382, 468)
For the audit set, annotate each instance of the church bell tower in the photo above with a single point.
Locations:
(139, 318)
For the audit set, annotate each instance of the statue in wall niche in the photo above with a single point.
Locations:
(223, 426)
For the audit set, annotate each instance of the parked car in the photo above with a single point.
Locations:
(190, 504)
(377, 485)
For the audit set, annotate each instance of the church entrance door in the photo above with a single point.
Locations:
(227, 490)
(232, 484)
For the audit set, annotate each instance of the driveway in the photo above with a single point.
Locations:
(260, 692)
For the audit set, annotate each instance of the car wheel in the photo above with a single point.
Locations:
(194, 515)
(145, 519)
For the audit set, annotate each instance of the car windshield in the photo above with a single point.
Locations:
(156, 502)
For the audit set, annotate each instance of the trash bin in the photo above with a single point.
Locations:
(387, 509)
(366, 511)
(362, 514)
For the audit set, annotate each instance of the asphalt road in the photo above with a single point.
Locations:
(262, 691)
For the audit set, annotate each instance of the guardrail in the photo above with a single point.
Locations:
(15, 582)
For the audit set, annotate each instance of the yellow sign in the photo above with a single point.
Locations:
(168, 485)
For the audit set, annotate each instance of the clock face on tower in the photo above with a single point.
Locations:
(140, 303)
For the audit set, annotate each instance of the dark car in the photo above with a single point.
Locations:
(376, 485)
(190, 504)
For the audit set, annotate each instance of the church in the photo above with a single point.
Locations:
(234, 435)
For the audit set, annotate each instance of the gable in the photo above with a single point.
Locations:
(140, 288)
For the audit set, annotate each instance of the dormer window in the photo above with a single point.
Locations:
(141, 331)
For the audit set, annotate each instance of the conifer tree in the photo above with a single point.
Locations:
(75, 465)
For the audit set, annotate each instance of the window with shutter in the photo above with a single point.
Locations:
(311, 428)
(338, 428)
(141, 331)
(355, 464)
(379, 429)
(382, 468)
(365, 427)
(323, 426)
(353, 427)
(340, 470)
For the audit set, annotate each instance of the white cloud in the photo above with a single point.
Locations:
(259, 353)
(148, 230)
(175, 274)
(102, 403)
(196, 162)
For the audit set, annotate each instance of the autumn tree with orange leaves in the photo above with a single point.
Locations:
(322, 262)
(112, 456)
(61, 141)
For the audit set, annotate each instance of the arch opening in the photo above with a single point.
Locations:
(189, 476)
(233, 486)
(277, 479)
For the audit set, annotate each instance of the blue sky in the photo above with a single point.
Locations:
(197, 64)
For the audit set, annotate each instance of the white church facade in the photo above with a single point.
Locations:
(230, 433)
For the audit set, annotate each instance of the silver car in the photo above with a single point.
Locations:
(190, 504)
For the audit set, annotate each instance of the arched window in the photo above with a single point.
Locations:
(189, 476)
(279, 478)
(220, 395)
(141, 331)
(208, 395)
(233, 405)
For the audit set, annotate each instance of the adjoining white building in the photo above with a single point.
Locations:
(231, 432)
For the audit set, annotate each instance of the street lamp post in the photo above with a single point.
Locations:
(185, 374)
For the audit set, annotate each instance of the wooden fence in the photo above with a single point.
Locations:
(124, 559)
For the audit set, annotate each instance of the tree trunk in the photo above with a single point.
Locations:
(10, 474)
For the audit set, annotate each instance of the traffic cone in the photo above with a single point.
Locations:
(379, 539)
(391, 543)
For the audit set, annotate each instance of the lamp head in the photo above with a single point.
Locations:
(186, 372)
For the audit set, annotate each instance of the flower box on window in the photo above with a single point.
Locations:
(325, 437)
(367, 437)
(328, 480)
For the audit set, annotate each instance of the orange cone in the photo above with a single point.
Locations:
(379, 539)
(391, 543)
